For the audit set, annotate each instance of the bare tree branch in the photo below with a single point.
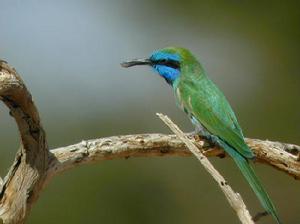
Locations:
(25, 179)
(235, 200)
(149, 145)
(34, 165)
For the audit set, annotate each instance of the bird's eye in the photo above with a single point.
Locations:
(168, 62)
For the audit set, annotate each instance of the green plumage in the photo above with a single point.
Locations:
(200, 98)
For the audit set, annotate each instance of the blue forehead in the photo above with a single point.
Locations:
(158, 55)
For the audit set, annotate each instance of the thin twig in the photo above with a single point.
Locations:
(234, 199)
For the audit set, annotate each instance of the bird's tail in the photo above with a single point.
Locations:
(253, 180)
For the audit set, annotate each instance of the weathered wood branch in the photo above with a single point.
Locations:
(26, 177)
(34, 165)
(282, 156)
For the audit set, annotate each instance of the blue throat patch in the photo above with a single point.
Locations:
(170, 74)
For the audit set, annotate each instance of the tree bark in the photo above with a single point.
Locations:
(26, 177)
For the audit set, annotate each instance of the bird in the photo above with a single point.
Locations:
(208, 110)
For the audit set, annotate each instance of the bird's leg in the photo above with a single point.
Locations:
(213, 140)
(202, 132)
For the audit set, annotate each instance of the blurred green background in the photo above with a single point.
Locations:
(68, 53)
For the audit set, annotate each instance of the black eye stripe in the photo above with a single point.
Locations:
(169, 63)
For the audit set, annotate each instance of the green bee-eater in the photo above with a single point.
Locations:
(207, 108)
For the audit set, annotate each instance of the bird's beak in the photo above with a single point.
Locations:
(134, 62)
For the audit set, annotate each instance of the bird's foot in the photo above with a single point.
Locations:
(201, 134)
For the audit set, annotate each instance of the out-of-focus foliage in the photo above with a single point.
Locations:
(68, 53)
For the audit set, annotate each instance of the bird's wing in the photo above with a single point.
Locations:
(210, 107)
